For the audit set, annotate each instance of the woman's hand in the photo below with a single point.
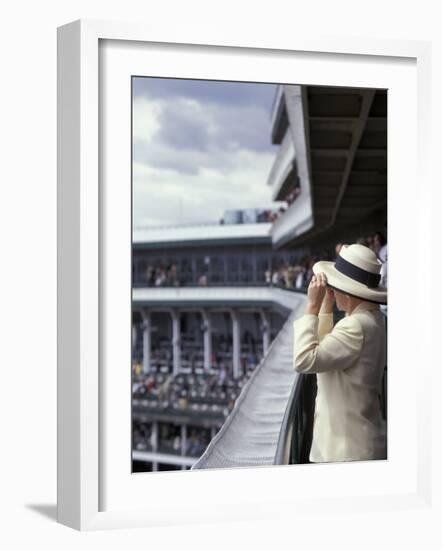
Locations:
(329, 299)
(316, 293)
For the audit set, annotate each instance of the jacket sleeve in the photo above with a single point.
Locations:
(325, 324)
(337, 350)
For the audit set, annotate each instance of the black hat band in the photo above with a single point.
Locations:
(354, 272)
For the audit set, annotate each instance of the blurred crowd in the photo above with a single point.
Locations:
(290, 276)
(212, 395)
(192, 354)
(162, 275)
(266, 215)
(272, 216)
(170, 439)
(298, 276)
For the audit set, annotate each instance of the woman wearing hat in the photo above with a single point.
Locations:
(348, 358)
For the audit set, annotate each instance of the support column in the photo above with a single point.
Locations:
(236, 338)
(207, 331)
(176, 341)
(146, 340)
(265, 330)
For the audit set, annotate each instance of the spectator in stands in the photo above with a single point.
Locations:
(251, 361)
(380, 245)
(349, 358)
(192, 444)
(293, 195)
(299, 281)
(153, 440)
(176, 443)
(290, 277)
(370, 242)
(384, 272)
(150, 383)
(268, 277)
(364, 241)
(172, 276)
(309, 273)
(137, 368)
(160, 278)
(150, 276)
(222, 378)
(275, 278)
(243, 361)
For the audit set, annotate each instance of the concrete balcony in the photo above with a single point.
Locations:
(296, 220)
(290, 104)
(217, 298)
(279, 121)
(282, 177)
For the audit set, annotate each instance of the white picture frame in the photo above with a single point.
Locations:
(80, 394)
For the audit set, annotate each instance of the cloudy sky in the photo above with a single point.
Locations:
(199, 148)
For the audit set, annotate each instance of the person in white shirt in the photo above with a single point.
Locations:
(348, 358)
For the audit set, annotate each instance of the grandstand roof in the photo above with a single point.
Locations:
(154, 237)
(346, 137)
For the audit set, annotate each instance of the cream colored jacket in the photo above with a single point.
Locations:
(349, 359)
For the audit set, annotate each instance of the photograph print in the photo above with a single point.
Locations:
(259, 274)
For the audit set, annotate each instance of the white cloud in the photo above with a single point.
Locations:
(146, 115)
(193, 160)
(163, 197)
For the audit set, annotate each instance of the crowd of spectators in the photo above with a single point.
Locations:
(197, 392)
(298, 276)
(212, 393)
(290, 276)
(162, 275)
(169, 438)
(293, 276)
(209, 388)
(192, 355)
(270, 215)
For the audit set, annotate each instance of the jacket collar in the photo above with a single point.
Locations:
(365, 306)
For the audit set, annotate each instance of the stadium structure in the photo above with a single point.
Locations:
(214, 305)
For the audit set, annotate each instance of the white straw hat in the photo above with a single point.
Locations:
(356, 272)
